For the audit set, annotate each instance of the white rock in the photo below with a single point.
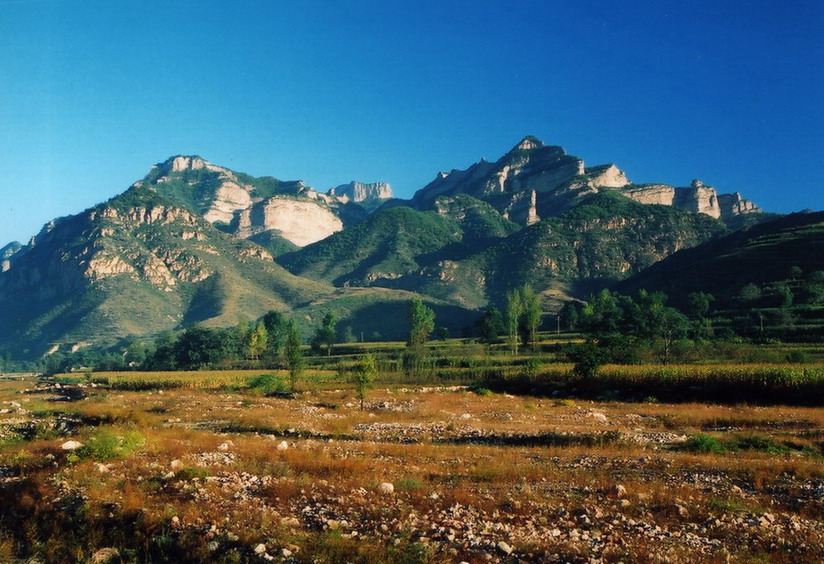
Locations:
(599, 417)
(504, 547)
(71, 445)
(286, 553)
(386, 488)
(101, 468)
(618, 491)
(282, 445)
(223, 447)
(260, 549)
(175, 521)
(466, 416)
(175, 465)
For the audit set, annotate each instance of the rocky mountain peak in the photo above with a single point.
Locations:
(360, 192)
(528, 143)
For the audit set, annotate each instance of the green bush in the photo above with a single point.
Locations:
(107, 444)
(268, 384)
(705, 444)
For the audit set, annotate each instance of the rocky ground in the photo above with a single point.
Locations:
(419, 475)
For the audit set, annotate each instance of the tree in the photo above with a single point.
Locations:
(588, 358)
(514, 309)
(198, 347)
(363, 375)
(530, 316)
(421, 322)
(785, 296)
(700, 303)
(257, 341)
(749, 293)
(293, 353)
(275, 324)
(491, 325)
(569, 316)
(327, 334)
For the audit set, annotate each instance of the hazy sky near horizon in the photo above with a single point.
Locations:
(92, 93)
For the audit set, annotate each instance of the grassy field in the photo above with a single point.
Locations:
(480, 456)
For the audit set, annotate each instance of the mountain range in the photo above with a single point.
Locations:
(196, 242)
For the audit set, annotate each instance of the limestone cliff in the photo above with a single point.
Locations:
(300, 221)
(697, 198)
(370, 196)
(247, 206)
(534, 181)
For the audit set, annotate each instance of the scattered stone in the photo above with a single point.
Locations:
(175, 522)
(282, 445)
(504, 547)
(106, 555)
(176, 465)
(618, 491)
(71, 445)
(260, 548)
(386, 488)
(223, 447)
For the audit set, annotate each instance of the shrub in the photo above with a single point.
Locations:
(267, 384)
(107, 444)
(705, 444)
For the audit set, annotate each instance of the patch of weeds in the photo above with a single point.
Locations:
(158, 409)
(480, 391)
(529, 406)
(246, 403)
(107, 444)
(408, 485)
(756, 443)
(268, 385)
(189, 474)
(532, 367)
(729, 505)
(704, 443)
(563, 403)
(651, 399)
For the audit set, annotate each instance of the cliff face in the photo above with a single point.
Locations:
(136, 265)
(248, 206)
(302, 222)
(695, 198)
(370, 196)
(534, 181)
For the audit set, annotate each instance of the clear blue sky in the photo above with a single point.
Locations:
(92, 93)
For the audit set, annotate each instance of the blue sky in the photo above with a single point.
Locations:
(92, 93)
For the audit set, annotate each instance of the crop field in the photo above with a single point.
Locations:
(222, 466)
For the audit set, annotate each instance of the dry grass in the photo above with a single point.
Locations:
(497, 467)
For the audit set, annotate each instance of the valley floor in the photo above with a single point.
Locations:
(199, 475)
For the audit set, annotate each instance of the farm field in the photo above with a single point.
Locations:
(210, 466)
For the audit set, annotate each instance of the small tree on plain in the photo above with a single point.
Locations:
(293, 353)
(363, 375)
(258, 341)
(421, 323)
(327, 334)
(514, 308)
(530, 316)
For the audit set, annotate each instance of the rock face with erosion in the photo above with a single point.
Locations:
(369, 196)
(302, 222)
(534, 181)
(697, 198)
(248, 206)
